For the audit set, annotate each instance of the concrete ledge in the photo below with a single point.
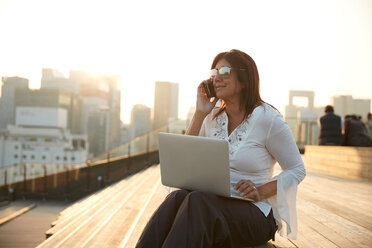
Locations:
(16, 214)
(342, 161)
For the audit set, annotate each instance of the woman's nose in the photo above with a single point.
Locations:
(217, 78)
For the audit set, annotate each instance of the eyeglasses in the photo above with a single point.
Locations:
(224, 72)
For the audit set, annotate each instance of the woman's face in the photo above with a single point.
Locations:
(227, 89)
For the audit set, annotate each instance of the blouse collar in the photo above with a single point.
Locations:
(238, 135)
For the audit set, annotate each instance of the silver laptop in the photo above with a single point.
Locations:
(195, 163)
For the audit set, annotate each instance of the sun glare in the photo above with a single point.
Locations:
(169, 41)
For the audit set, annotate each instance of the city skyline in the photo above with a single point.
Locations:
(322, 46)
(296, 101)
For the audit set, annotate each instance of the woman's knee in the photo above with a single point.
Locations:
(178, 195)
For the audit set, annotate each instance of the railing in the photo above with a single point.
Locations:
(145, 143)
(26, 171)
(305, 133)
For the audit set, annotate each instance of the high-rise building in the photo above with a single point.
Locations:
(53, 98)
(347, 105)
(166, 103)
(7, 100)
(141, 119)
(101, 97)
(53, 79)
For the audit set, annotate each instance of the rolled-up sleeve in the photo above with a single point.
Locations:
(282, 146)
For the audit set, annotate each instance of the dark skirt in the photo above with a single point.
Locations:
(201, 219)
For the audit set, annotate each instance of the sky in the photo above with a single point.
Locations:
(320, 45)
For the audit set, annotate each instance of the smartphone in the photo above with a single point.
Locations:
(209, 89)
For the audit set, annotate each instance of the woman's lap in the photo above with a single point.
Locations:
(209, 219)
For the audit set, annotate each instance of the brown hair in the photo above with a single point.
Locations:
(247, 74)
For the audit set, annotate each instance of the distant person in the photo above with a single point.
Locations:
(356, 132)
(258, 137)
(369, 125)
(330, 128)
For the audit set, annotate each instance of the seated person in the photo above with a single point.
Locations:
(369, 125)
(355, 132)
(258, 137)
(330, 128)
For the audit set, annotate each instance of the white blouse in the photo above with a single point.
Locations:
(254, 146)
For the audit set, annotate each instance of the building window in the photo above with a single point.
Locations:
(24, 156)
(32, 156)
(65, 158)
(16, 147)
(43, 157)
(15, 156)
(73, 158)
(48, 140)
(15, 138)
(57, 157)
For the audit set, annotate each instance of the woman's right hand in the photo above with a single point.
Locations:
(204, 105)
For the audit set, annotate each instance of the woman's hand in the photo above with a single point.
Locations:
(204, 105)
(247, 189)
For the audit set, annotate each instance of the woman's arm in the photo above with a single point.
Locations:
(195, 124)
(282, 146)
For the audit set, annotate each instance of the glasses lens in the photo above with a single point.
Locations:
(213, 72)
(225, 71)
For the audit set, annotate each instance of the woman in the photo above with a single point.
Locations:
(258, 137)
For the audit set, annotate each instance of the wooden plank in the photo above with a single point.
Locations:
(351, 231)
(346, 185)
(324, 230)
(351, 162)
(342, 210)
(100, 197)
(89, 219)
(122, 221)
(81, 207)
(155, 202)
(17, 213)
(84, 209)
(282, 242)
(338, 197)
(308, 238)
(326, 216)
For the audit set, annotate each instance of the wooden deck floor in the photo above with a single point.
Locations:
(332, 212)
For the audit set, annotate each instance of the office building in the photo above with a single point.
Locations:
(53, 79)
(126, 133)
(7, 100)
(165, 103)
(141, 119)
(303, 120)
(40, 137)
(53, 98)
(347, 105)
(101, 99)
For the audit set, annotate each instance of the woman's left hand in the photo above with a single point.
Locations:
(247, 189)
